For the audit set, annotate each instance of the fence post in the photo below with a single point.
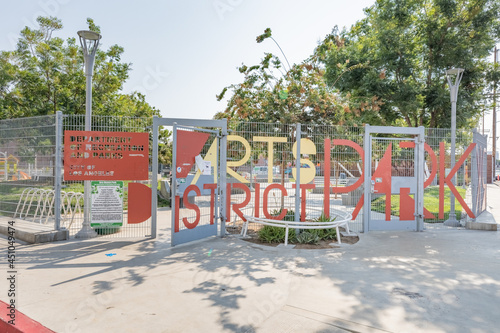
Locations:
(419, 196)
(154, 178)
(223, 179)
(298, 136)
(367, 181)
(173, 184)
(474, 173)
(58, 167)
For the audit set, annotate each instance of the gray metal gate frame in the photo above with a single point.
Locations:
(419, 162)
(479, 173)
(195, 124)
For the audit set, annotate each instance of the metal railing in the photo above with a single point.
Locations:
(37, 205)
(35, 202)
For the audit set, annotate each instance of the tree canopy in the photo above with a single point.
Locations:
(399, 54)
(387, 69)
(44, 74)
(274, 92)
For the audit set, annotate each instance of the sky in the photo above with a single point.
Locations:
(183, 53)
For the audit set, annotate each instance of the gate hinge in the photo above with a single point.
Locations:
(420, 216)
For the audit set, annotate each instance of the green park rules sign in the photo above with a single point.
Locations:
(107, 204)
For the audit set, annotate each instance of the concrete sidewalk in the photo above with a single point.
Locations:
(492, 213)
(440, 280)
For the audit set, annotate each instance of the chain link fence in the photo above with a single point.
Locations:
(272, 160)
(27, 172)
(260, 156)
(105, 124)
(438, 142)
(28, 150)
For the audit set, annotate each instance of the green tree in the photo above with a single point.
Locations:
(398, 54)
(271, 92)
(44, 75)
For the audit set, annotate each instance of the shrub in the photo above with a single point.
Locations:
(323, 218)
(325, 234)
(306, 237)
(271, 234)
(290, 214)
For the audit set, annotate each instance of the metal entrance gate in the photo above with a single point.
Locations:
(198, 177)
(395, 178)
(479, 173)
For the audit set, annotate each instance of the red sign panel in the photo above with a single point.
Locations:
(90, 155)
(189, 144)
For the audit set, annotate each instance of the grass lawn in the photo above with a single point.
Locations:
(431, 203)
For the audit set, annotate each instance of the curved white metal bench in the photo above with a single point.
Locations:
(342, 220)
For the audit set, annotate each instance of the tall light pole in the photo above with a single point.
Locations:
(494, 125)
(89, 41)
(454, 76)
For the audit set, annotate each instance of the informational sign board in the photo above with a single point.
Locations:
(93, 155)
(107, 204)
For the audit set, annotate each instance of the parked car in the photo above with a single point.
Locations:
(262, 170)
(288, 171)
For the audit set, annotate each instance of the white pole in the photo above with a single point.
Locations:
(89, 56)
(298, 137)
(452, 219)
(494, 125)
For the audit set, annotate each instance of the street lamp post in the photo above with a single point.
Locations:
(494, 125)
(454, 76)
(89, 41)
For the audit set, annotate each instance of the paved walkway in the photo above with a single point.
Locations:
(439, 280)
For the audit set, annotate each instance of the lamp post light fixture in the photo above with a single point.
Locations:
(89, 41)
(454, 76)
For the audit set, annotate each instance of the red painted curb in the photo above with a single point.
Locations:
(23, 323)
